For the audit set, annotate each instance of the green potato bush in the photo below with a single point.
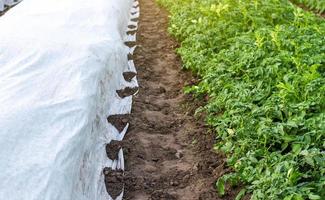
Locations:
(262, 65)
(318, 5)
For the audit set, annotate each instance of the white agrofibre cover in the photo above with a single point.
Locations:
(61, 62)
(4, 3)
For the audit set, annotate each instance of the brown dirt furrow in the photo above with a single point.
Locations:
(168, 153)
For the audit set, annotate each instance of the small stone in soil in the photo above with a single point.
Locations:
(179, 155)
(162, 90)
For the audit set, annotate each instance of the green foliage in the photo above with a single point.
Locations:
(318, 5)
(262, 64)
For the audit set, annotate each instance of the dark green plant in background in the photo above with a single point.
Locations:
(262, 64)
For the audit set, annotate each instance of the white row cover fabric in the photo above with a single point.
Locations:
(4, 3)
(61, 62)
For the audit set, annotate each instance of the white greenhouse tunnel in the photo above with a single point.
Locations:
(61, 63)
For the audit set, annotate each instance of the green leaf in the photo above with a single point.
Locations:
(296, 148)
(313, 197)
(221, 187)
(310, 161)
(241, 194)
(294, 197)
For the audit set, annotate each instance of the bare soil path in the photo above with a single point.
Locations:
(168, 153)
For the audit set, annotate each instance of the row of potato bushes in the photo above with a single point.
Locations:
(317, 5)
(261, 63)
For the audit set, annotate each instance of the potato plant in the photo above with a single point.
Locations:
(262, 65)
(318, 5)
